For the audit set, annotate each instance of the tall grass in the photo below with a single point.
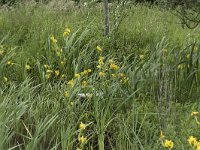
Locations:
(143, 79)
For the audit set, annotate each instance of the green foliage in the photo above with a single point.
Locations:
(9, 2)
(142, 78)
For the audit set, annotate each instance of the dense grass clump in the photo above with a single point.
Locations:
(65, 86)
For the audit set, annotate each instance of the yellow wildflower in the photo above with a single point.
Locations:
(82, 126)
(46, 66)
(194, 113)
(49, 71)
(77, 75)
(102, 74)
(66, 94)
(188, 56)
(89, 70)
(85, 72)
(61, 50)
(5, 79)
(114, 66)
(198, 145)
(47, 76)
(66, 32)
(53, 40)
(62, 63)
(78, 148)
(98, 48)
(84, 84)
(63, 76)
(180, 66)
(192, 141)
(28, 67)
(122, 75)
(82, 73)
(82, 139)
(164, 50)
(111, 61)
(161, 134)
(101, 58)
(168, 144)
(113, 75)
(100, 62)
(71, 82)
(72, 103)
(57, 72)
(141, 57)
(10, 63)
(124, 80)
